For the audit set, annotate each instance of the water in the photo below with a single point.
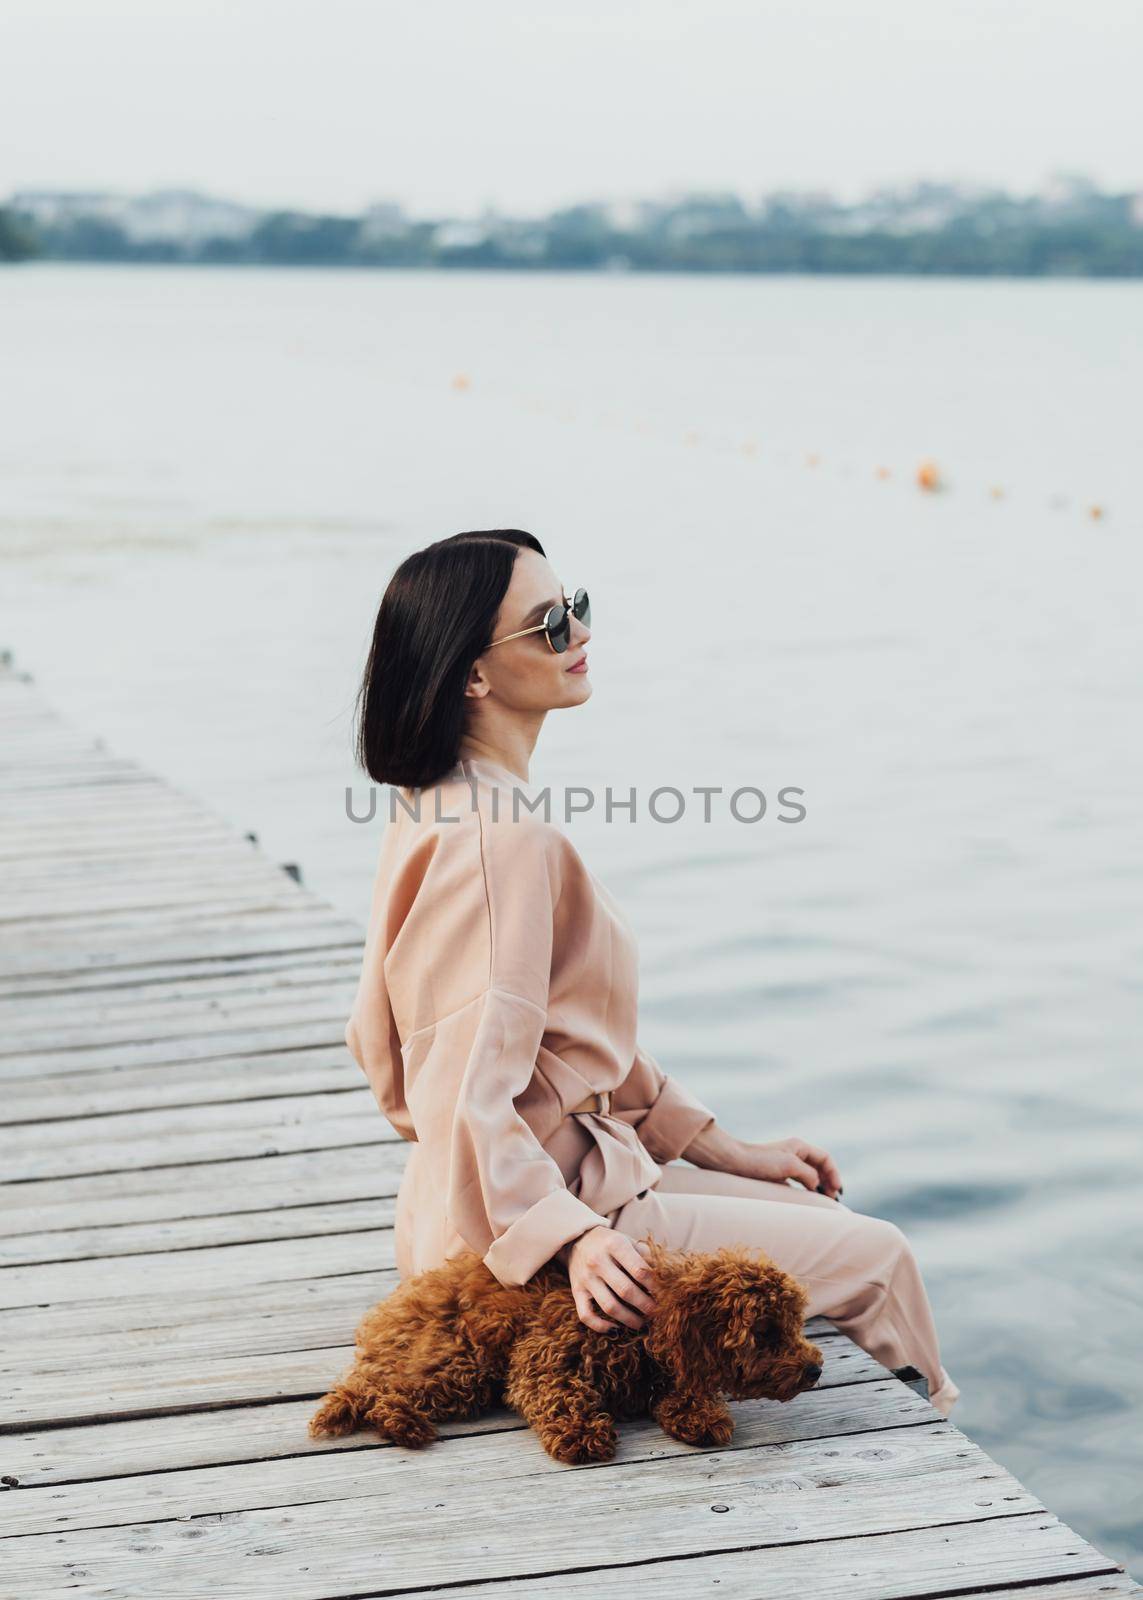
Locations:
(207, 477)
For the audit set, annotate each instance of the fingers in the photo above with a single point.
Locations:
(814, 1167)
(630, 1255)
(613, 1284)
(824, 1162)
(630, 1298)
(588, 1315)
(803, 1172)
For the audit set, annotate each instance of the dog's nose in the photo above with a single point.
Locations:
(813, 1372)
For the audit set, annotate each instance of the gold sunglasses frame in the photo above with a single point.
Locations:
(541, 626)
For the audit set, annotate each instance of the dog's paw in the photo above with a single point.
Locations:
(397, 1422)
(337, 1415)
(691, 1425)
(582, 1440)
(719, 1431)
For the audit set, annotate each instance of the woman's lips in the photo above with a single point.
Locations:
(580, 666)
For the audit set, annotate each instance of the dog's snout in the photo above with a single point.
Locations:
(813, 1372)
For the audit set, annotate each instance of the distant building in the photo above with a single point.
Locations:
(385, 220)
(164, 216)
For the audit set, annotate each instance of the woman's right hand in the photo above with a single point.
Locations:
(609, 1274)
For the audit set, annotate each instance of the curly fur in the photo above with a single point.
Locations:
(454, 1342)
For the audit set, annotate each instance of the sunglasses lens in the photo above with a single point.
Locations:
(582, 606)
(559, 628)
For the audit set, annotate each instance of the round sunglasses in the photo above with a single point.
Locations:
(557, 624)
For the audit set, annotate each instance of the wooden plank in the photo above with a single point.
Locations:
(651, 1508)
(804, 1432)
(159, 1272)
(184, 1439)
(180, 1051)
(197, 1233)
(222, 986)
(190, 1305)
(370, 1168)
(194, 1017)
(131, 1128)
(305, 1314)
(297, 1122)
(244, 1228)
(980, 1558)
(242, 968)
(123, 909)
(208, 938)
(140, 1088)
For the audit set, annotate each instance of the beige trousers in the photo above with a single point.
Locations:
(860, 1271)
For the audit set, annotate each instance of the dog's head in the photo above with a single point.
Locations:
(731, 1320)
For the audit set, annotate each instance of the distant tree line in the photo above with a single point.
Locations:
(933, 231)
(18, 240)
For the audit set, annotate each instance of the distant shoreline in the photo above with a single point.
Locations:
(436, 269)
(1072, 230)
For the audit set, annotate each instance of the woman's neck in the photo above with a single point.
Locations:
(513, 756)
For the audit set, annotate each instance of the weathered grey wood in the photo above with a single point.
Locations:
(179, 1050)
(198, 1210)
(302, 1129)
(143, 1127)
(67, 1095)
(649, 1509)
(210, 1188)
(181, 1271)
(242, 983)
(983, 1558)
(302, 1314)
(802, 1435)
(36, 1326)
(196, 1233)
(166, 939)
(243, 968)
(153, 1027)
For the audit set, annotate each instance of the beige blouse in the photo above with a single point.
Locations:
(498, 989)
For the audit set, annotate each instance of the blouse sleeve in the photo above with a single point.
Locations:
(666, 1116)
(475, 954)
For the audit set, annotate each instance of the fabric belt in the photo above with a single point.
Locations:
(600, 1101)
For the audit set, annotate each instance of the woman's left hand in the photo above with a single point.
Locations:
(796, 1158)
(714, 1148)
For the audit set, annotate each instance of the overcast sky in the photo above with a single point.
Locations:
(452, 105)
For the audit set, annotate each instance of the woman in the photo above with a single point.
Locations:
(496, 1013)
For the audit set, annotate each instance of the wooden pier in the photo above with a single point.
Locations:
(196, 1209)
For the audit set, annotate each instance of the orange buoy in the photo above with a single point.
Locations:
(812, 460)
(996, 492)
(883, 473)
(461, 381)
(1095, 512)
(750, 448)
(928, 476)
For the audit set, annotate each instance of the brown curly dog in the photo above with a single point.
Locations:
(454, 1341)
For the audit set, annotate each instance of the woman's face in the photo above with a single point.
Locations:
(526, 673)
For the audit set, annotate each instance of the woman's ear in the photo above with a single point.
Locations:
(477, 684)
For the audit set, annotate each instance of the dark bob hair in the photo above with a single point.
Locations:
(436, 616)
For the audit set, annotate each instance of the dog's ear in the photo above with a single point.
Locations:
(687, 1333)
(784, 1300)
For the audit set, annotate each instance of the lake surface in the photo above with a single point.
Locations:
(207, 477)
